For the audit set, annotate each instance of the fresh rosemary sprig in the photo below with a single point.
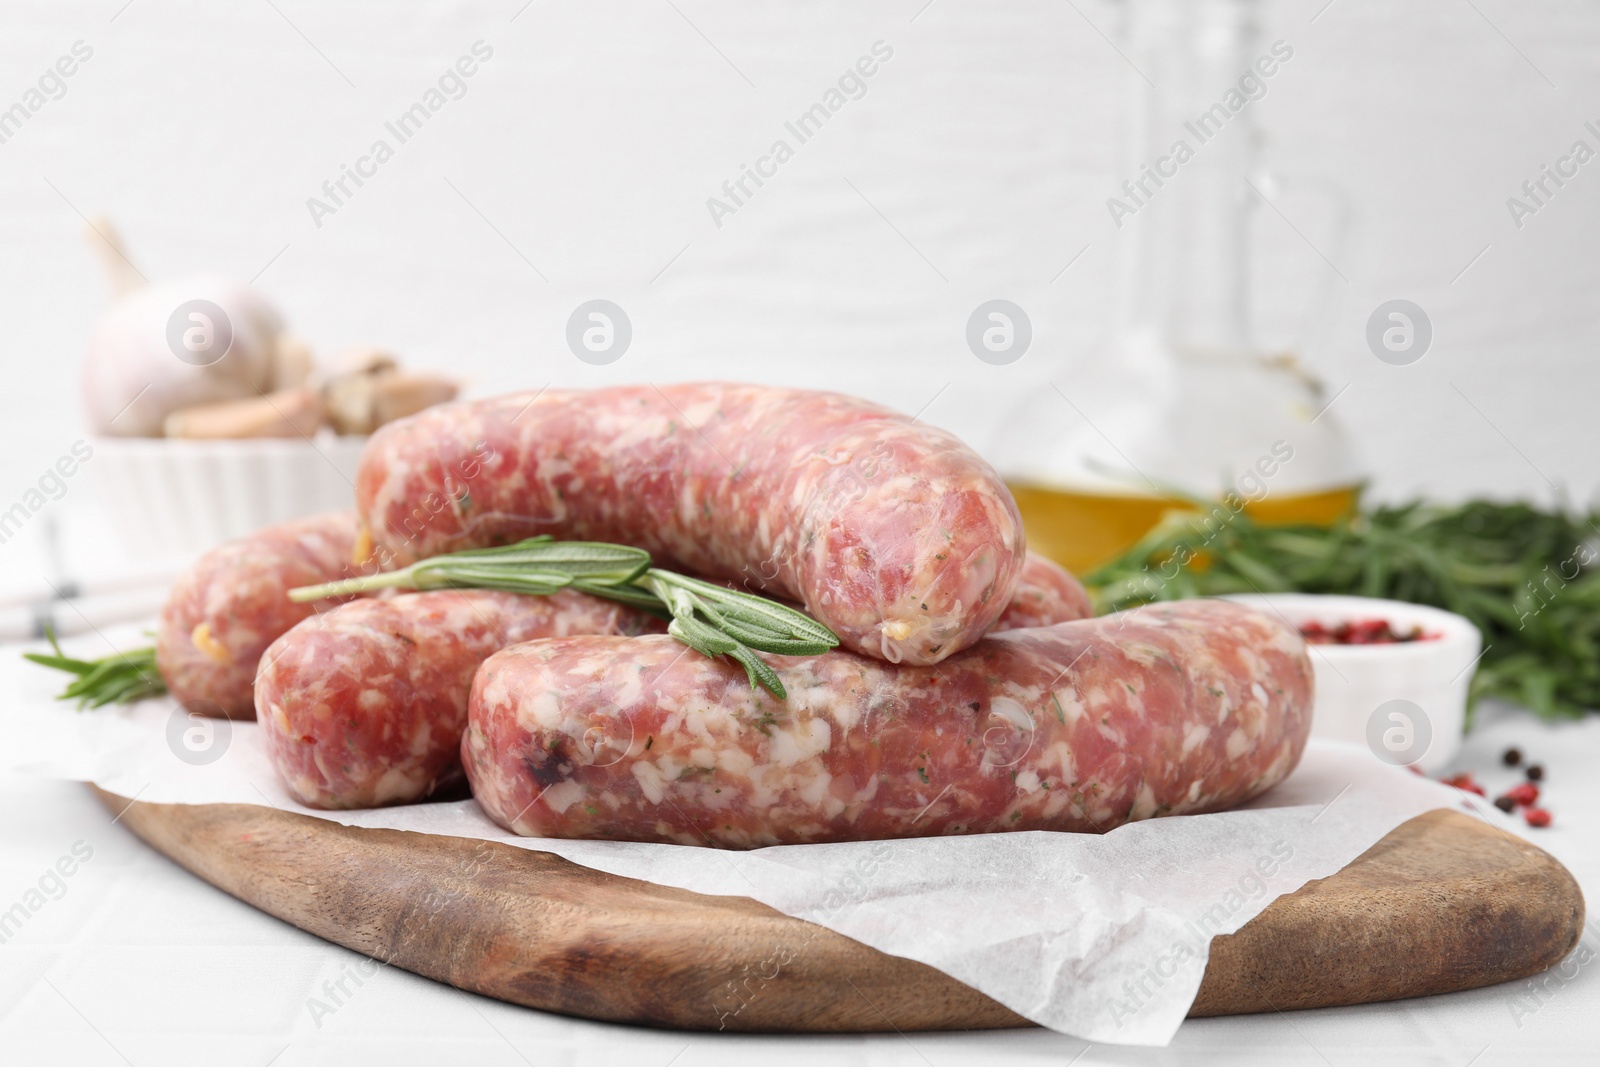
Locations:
(715, 621)
(1525, 576)
(120, 678)
(710, 619)
(538, 566)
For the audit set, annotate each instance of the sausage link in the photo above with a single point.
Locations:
(1047, 593)
(227, 608)
(894, 534)
(1168, 709)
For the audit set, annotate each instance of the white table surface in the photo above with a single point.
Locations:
(140, 962)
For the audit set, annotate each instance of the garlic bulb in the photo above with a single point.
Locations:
(132, 378)
(171, 345)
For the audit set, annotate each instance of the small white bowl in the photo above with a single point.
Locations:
(171, 498)
(1355, 681)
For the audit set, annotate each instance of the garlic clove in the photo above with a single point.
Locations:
(292, 365)
(367, 360)
(287, 413)
(404, 393)
(347, 400)
(371, 390)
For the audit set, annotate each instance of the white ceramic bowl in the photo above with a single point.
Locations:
(171, 498)
(1355, 681)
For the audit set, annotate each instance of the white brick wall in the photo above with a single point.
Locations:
(593, 137)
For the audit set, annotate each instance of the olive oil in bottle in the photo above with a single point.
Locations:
(1179, 402)
(1081, 530)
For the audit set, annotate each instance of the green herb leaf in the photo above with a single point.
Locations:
(120, 678)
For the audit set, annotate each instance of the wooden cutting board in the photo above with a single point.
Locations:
(1445, 902)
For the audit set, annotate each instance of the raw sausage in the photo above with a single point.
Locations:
(364, 706)
(894, 534)
(1169, 709)
(1047, 593)
(223, 613)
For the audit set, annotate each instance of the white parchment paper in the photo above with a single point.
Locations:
(1105, 938)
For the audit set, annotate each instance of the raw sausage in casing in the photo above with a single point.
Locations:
(227, 608)
(1047, 593)
(894, 534)
(1167, 709)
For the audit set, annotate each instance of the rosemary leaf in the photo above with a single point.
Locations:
(759, 672)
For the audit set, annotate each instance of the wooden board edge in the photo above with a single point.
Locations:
(533, 929)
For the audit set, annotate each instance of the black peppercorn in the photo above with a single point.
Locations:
(1512, 757)
(1535, 772)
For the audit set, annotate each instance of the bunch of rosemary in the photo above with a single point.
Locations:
(1524, 576)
